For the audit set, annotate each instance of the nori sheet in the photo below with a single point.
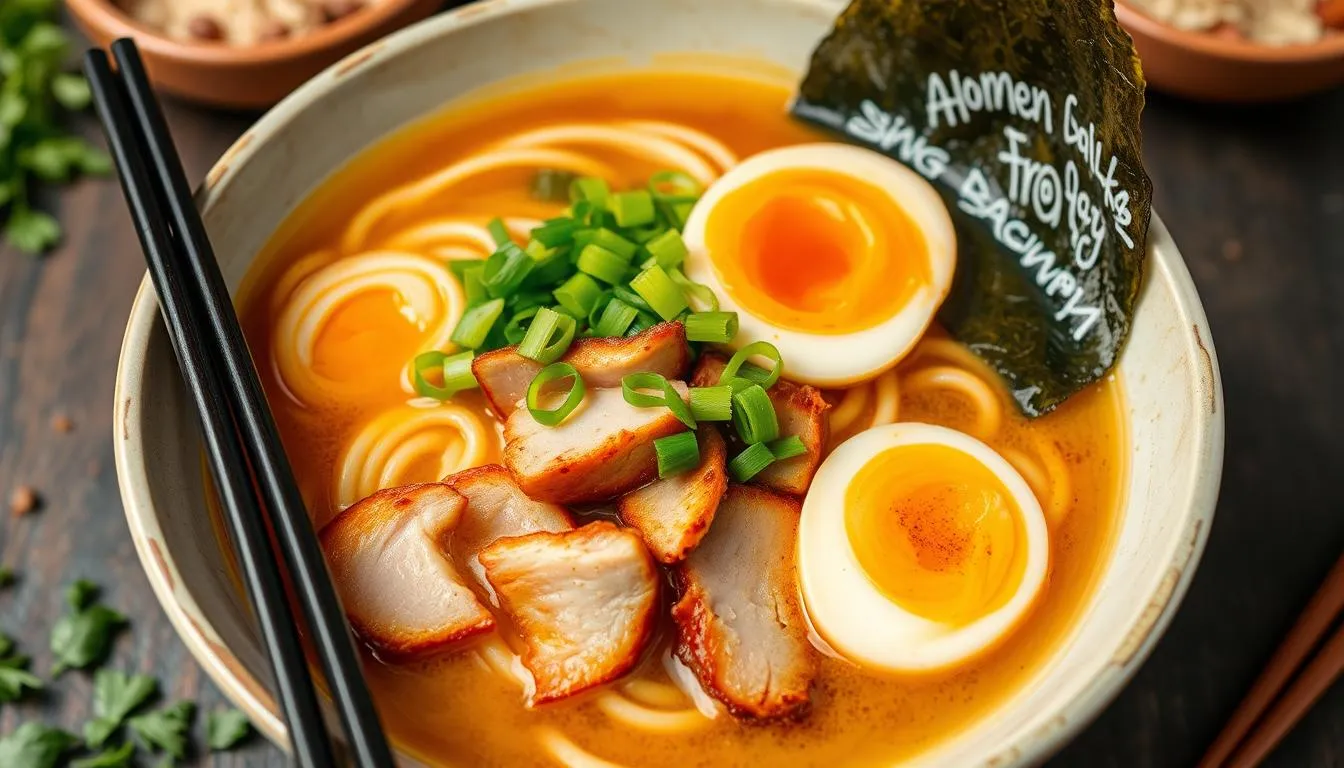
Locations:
(1051, 319)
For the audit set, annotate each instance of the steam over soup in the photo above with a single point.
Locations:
(631, 445)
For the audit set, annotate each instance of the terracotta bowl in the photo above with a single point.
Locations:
(1174, 406)
(1213, 66)
(244, 77)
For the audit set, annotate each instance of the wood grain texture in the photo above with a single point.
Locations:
(1255, 198)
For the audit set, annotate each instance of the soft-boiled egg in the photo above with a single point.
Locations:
(838, 255)
(919, 548)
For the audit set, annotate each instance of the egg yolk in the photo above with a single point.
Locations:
(816, 251)
(374, 330)
(936, 532)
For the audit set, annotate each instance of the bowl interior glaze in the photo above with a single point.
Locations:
(1169, 367)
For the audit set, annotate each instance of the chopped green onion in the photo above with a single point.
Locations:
(551, 266)
(589, 189)
(525, 299)
(632, 209)
(499, 232)
(611, 241)
(473, 284)
(674, 186)
(615, 319)
(506, 269)
(644, 235)
(459, 267)
(516, 328)
(632, 387)
(624, 293)
(711, 327)
(578, 294)
(667, 249)
(750, 462)
(787, 447)
(712, 403)
(676, 213)
(754, 415)
(555, 232)
(551, 185)
(602, 264)
(678, 406)
(455, 371)
(698, 291)
(676, 453)
(548, 337)
(643, 322)
(738, 383)
(574, 396)
(765, 349)
(660, 292)
(476, 322)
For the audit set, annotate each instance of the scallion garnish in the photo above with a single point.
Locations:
(737, 365)
(711, 327)
(698, 291)
(712, 403)
(551, 185)
(632, 209)
(624, 293)
(674, 186)
(499, 232)
(578, 294)
(663, 295)
(453, 370)
(611, 241)
(548, 337)
(573, 396)
(551, 265)
(556, 232)
(754, 415)
(676, 453)
(476, 322)
(787, 447)
(668, 250)
(516, 328)
(615, 319)
(473, 286)
(643, 322)
(589, 189)
(750, 462)
(506, 269)
(603, 264)
(634, 389)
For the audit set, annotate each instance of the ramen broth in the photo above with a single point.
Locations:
(459, 709)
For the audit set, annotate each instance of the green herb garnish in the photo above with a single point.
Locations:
(115, 696)
(225, 728)
(34, 745)
(34, 147)
(83, 637)
(165, 729)
(15, 678)
(112, 757)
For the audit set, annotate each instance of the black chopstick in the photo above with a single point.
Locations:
(280, 492)
(219, 373)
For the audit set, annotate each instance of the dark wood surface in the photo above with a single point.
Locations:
(1255, 198)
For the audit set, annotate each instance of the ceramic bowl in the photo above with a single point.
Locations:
(1175, 419)
(244, 77)
(1214, 66)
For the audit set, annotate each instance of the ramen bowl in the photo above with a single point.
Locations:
(1172, 408)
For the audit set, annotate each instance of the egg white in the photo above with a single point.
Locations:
(834, 360)
(848, 611)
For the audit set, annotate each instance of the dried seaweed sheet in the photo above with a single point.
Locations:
(1025, 115)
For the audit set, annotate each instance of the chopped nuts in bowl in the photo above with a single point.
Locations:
(242, 53)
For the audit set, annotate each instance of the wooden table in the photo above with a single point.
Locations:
(1255, 198)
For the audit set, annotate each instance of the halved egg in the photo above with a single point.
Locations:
(838, 255)
(919, 548)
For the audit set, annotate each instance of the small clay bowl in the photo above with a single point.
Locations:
(248, 77)
(1220, 67)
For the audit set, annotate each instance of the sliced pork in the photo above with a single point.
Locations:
(603, 450)
(583, 601)
(674, 513)
(496, 508)
(388, 560)
(602, 362)
(801, 411)
(740, 627)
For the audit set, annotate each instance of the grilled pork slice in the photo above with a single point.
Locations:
(740, 627)
(584, 602)
(402, 593)
(673, 514)
(604, 449)
(602, 362)
(801, 411)
(496, 508)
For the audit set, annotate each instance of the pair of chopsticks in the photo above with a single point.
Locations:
(243, 446)
(1290, 683)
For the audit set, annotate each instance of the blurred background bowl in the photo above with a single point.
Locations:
(1224, 67)
(244, 77)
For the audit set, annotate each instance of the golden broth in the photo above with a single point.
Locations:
(455, 710)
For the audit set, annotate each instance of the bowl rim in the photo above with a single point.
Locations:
(249, 694)
(1138, 23)
(106, 16)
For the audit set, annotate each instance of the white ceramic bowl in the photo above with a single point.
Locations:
(1169, 368)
